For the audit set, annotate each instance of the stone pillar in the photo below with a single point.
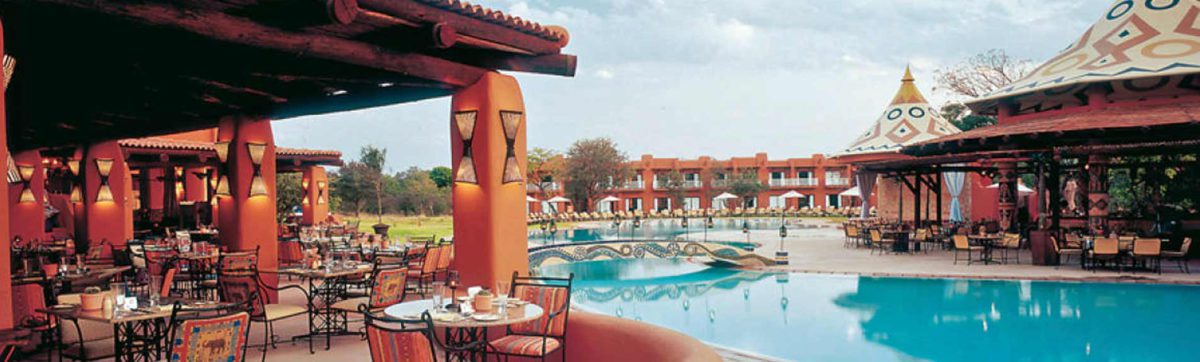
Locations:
(1006, 195)
(1097, 192)
(6, 295)
(247, 219)
(26, 216)
(316, 195)
(489, 219)
(109, 213)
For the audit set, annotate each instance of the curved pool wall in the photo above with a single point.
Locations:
(664, 229)
(799, 316)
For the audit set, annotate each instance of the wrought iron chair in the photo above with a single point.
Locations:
(219, 333)
(239, 285)
(387, 288)
(399, 340)
(1065, 252)
(1147, 253)
(962, 244)
(541, 337)
(1180, 257)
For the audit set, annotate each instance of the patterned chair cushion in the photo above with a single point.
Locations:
(388, 346)
(551, 299)
(211, 340)
(523, 345)
(388, 288)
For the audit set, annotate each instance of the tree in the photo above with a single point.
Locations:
(375, 159)
(419, 194)
(593, 166)
(746, 185)
(982, 74)
(673, 183)
(544, 167)
(352, 186)
(961, 117)
(289, 193)
(442, 176)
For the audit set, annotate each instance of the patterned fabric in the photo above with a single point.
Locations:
(907, 120)
(211, 340)
(551, 299)
(388, 346)
(237, 288)
(444, 258)
(388, 288)
(524, 345)
(431, 260)
(239, 261)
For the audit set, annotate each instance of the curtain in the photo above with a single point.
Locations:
(954, 184)
(866, 183)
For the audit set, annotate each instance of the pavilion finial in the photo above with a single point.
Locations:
(908, 77)
(908, 92)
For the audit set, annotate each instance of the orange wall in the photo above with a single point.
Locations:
(27, 219)
(6, 295)
(108, 220)
(489, 217)
(317, 207)
(195, 188)
(248, 222)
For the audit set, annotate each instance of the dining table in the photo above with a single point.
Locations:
(137, 334)
(465, 334)
(324, 289)
(988, 242)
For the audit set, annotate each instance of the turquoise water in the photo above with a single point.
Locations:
(657, 229)
(811, 317)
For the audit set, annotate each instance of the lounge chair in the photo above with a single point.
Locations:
(1180, 257)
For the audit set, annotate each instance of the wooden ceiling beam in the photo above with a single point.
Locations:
(415, 12)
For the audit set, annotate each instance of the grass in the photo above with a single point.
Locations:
(402, 225)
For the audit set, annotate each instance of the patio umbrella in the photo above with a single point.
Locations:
(609, 198)
(559, 199)
(724, 196)
(530, 199)
(1021, 188)
(853, 191)
(789, 195)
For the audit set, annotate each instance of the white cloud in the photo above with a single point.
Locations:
(604, 74)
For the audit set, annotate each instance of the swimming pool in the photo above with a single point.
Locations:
(851, 318)
(657, 229)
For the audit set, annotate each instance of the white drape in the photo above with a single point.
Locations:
(866, 183)
(954, 184)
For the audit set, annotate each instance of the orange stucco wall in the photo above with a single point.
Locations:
(195, 188)
(246, 221)
(317, 191)
(489, 217)
(27, 219)
(6, 319)
(108, 220)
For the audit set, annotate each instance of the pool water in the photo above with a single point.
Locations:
(810, 317)
(658, 229)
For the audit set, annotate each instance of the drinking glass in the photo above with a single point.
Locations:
(502, 289)
(439, 290)
(154, 289)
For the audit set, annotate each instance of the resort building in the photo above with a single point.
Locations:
(820, 180)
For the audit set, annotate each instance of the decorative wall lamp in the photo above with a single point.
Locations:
(465, 122)
(73, 165)
(26, 173)
(104, 168)
(257, 186)
(321, 187)
(511, 120)
(76, 194)
(304, 185)
(222, 148)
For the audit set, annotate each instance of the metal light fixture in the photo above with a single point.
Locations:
(73, 165)
(511, 120)
(222, 148)
(465, 122)
(258, 187)
(76, 195)
(26, 173)
(223, 187)
(104, 168)
(321, 187)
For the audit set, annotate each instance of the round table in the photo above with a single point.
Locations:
(463, 336)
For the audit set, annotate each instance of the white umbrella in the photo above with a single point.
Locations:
(725, 196)
(530, 199)
(559, 199)
(792, 195)
(853, 191)
(610, 198)
(1021, 188)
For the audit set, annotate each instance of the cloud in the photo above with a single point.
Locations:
(604, 74)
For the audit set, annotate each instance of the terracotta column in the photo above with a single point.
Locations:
(155, 193)
(1006, 195)
(316, 195)
(6, 319)
(195, 187)
(109, 217)
(1097, 192)
(489, 219)
(26, 218)
(247, 220)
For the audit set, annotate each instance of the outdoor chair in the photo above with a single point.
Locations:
(962, 244)
(540, 337)
(1065, 252)
(921, 236)
(82, 339)
(851, 236)
(1180, 257)
(244, 286)
(387, 288)
(443, 262)
(209, 333)
(400, 340)
(1125, 242)
(1105, 251)
(1146, 252)
(879, 243)
(423, 275)
(1010, 244)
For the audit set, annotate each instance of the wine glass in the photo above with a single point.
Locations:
(439, 291)
(502, 289)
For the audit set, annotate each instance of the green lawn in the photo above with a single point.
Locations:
(402, 226)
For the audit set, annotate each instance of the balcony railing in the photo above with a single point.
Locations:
(837, 181)
(720, 183)
(548, 186)
(633, 185)
(791, 182)
(692, 184)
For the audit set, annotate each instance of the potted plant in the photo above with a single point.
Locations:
(92, 299)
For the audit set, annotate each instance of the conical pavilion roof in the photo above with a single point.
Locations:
(1139, 48)
(908, 119)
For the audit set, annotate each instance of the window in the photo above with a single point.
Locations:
(662, 204)
(833, 174)
(749, 202)
(691, 176)
(634, 204)
(691, 203)
(804, 174)
(605, 207)
(721, 176)
(804, 202)
(833, 201)
(777, 175)
(776, 202)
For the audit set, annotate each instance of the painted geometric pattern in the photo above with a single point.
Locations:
(1138, 47)
(909, 119)
(568, 253)
(219, 339)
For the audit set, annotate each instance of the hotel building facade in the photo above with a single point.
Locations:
(818, 178)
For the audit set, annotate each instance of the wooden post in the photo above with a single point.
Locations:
(1006, 195)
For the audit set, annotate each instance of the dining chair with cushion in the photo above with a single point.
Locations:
(1065, 252)
(1180, 257)
(1105, 251)
(961, 245)
(444, 259)
(1146, 253)
(851, 232)
(240, 286)
(424, 273)
(1010, 243)
(387, 288)
(400, 340)
(879, 243)
(209, 333)
(82, 339)
(540, 337)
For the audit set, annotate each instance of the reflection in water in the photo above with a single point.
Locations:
(821, 317)
(657, 229)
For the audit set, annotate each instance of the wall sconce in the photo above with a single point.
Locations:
(466, 129)
(76, 195)
(222, 148)
(104, 168)
(26, 173)
(257, 186)
(222, 189)
(321, 192)
(73, 165)
(511, 120)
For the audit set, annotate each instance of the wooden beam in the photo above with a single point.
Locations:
(238, 30)
(416, 12)
(555, 64)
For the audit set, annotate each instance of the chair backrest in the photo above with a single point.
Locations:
(1187, 244)
(431, 260)
(921, 235)
(387, 288)
(395, 340)
(242, 287)
(1106, 246)
(1054, 244)
(444, 257)
(1147, 247)
(961, 242)
(1012, 240)
(876, 235)
(238, 261)
(211, 334)
(167, 280)
(553, 295)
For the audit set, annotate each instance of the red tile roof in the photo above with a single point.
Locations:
(285, 151)
(497, 17)
(158, 143)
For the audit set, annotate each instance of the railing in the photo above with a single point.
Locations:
(692, 184)
(548, 186)
(720, 183)
(837, 181)
(633, 185)
(788, 182)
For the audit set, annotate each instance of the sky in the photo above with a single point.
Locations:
(722, 78)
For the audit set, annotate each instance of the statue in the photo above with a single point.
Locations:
(1071, 193)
